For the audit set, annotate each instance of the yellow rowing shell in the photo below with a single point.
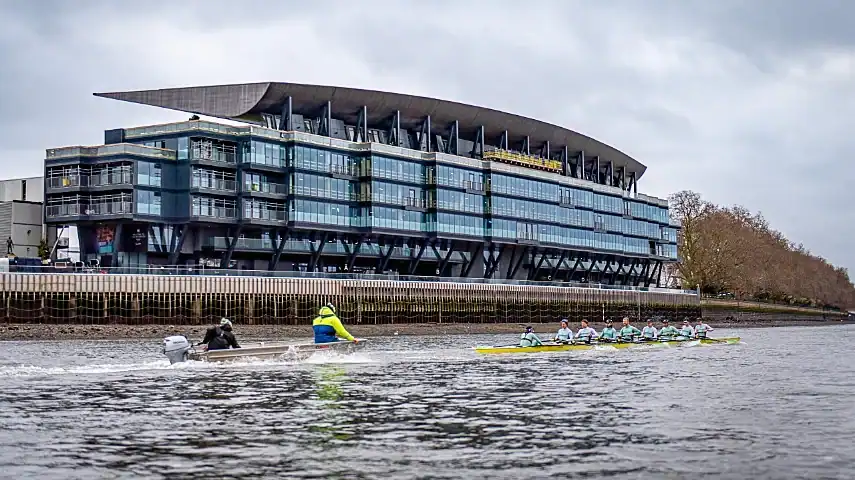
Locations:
(562, 347)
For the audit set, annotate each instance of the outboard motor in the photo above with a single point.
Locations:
(175, 348)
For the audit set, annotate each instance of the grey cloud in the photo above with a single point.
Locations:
(730, 98)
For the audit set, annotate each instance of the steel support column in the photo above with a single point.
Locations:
(360, 133)
(231, 244)
(316, 252)
(526, 145)
(478, 147)
(177, 243)
(545, 150)
(286, 119)
(443, 261)
(494, 262)
(580, 165)
(384, 257)
(414, 263)
(557, 266)
(325, 120)
(395, 129)
(514, 267)
(452, 147)
(565, 161)
(479, 252)
(352, 252)
(424, 135)
(279, 245)
(504, 141)
(532, 274)
(573, 269)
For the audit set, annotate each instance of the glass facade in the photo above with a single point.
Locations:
(361, 189)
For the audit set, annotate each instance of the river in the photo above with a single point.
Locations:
(779, 405)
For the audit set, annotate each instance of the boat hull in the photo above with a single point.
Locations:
(561, 347)
(275, 351)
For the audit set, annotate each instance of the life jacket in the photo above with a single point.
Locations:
(219, 342)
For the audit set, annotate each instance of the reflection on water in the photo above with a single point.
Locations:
(430, 408)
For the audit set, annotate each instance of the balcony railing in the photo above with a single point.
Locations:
(97, 180)
(116, 207)
(324, 193)
(64, 210)
(267, 214)
(216, 184)
(266, 187)
(529, 161)
(214, 212)
(349, 170)
(114, 149)
(213, 155)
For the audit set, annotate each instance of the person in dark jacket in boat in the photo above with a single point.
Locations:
(328, 327)
(220, 337)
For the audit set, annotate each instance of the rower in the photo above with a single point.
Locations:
(649, 332)
(609, 334)
(668, 332)
(564, 333)
(627, 333)
(586, 333)
(529, 338)
(687, 330)
(702, 328)
(328, 327)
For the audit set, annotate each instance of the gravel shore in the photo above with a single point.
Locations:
(268, 332)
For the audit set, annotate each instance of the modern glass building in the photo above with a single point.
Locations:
(345, 180)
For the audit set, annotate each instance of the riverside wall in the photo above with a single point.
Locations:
(73, 298)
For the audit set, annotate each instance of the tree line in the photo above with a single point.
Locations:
(730, 251)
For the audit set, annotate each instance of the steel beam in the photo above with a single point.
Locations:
(384, 257)
(574, 268)
(565, 161)
(316, 252)
(554, 273)
(395, 129)
(353, 253)
(360, 133)
(494, 263)
(414, 263)
(286, 119)
(545, 150)
(532, 274)
(279, 245)
(443, 261)
(452, 146)
(177, 243)
(424, 135)
(479, 251)
(325, 120)
(478, 146)
(514, 267)
(231, 243)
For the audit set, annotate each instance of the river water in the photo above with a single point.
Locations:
(779, 405)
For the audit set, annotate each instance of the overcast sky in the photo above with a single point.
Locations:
(747, 102)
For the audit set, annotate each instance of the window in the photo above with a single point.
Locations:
(148, 202)
(23, 190)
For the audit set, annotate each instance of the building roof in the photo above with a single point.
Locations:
(246, 102)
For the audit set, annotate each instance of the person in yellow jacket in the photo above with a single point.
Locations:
(328, 327)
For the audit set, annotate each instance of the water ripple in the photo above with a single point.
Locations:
(431, 408)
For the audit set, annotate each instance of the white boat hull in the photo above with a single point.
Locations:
(271, 351)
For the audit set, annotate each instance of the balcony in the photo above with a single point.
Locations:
(211, 152)
(214, 209)
(110, 150)
(344, 171)
(82, 178)
(265, 189)
(213, 184)
(325, 193)
(90, 206)
(221, 243)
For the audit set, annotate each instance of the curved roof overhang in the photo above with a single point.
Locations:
(246, 102)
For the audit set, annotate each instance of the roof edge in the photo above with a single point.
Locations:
(225, 101)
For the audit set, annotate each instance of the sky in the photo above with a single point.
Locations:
(746, 102)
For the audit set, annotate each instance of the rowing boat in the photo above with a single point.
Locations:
(178, 349)
(563, 347)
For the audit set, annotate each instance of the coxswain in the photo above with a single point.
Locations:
(668, 332)
(529, 338)
(609, 334)
(220, 337)
(687, 330)
(649, 332)
(586, 333)
(627, 333)
(564, 333)
(328, 327)
(702, 328)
